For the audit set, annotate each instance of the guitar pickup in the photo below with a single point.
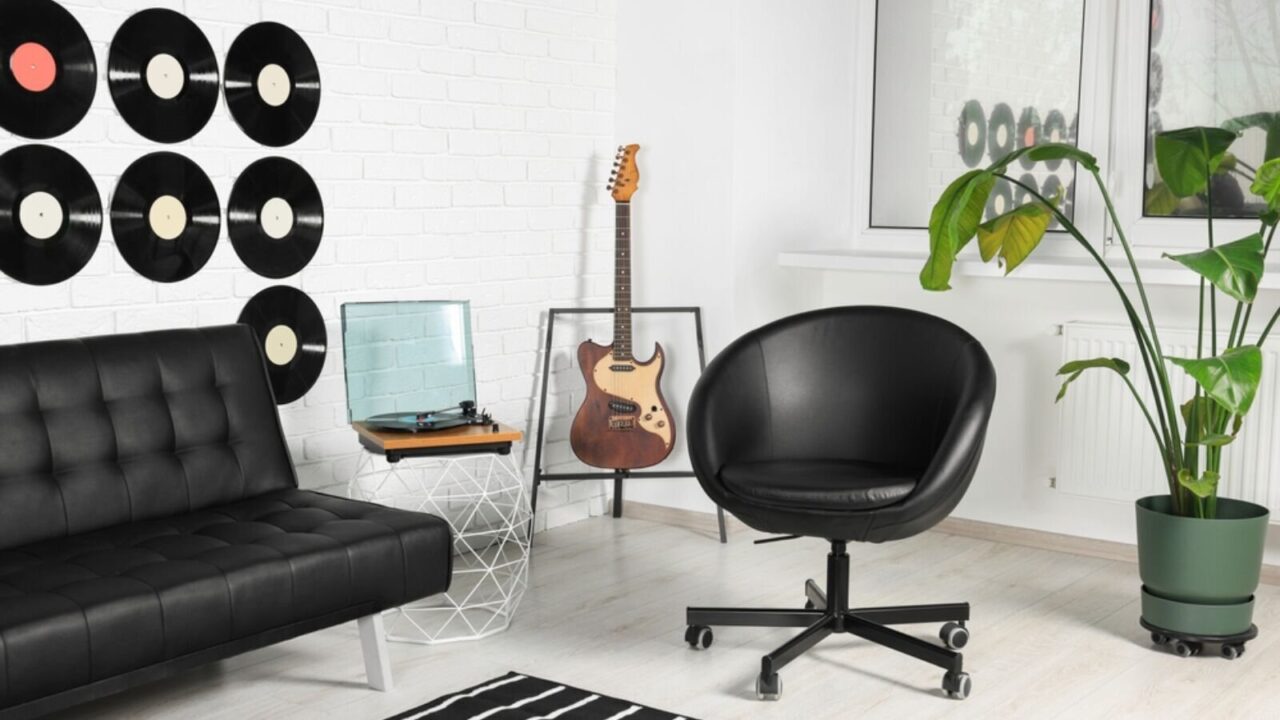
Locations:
(622, 423)
(623, 408)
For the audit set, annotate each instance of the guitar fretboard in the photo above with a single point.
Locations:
(622, 283)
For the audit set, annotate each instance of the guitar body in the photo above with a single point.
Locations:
(624, 423)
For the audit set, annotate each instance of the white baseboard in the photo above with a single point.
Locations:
(1123, 552)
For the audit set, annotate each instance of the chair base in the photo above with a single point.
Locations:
(827, 613)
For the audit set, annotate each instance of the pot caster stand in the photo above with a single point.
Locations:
(1190, 645)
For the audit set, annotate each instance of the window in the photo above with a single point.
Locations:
(987, 77)
(946, 84)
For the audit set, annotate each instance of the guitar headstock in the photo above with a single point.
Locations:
(625, 179)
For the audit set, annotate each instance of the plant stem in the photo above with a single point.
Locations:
(1166, 439)
(1213, 289)
(1248, 314)
(1263, 338)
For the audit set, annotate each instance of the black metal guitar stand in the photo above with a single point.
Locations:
(618, 476)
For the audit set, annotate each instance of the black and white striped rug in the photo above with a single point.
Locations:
(520, 697)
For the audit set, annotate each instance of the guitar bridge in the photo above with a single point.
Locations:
(622, 423)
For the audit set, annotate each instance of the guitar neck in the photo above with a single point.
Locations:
(622, 283)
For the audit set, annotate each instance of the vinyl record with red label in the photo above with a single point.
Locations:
(163, 75)
(1029, 131)
(49, 74)
(50, 215)
(272, 84)
(165, 217)
(275, 217)
(293, 337)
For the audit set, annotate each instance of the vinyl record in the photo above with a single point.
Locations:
(293, 338)
(1001, 199)
(1000, 132)
(1155, 80)
(165, 217)
(1055, 131)
(1157, 22)
(50, 215)
(1021, 196)
(49, 75)
(272, 84)
(972, 133)
(1029, 132)
(275, 217)
(163, 75)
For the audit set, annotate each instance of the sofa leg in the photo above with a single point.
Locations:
(377, 662)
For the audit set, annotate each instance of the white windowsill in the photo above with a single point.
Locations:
(1154, 271)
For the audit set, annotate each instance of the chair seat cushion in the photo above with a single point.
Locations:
(79, 609)
(819, 484)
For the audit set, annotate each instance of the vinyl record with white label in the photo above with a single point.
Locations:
(1001, 134)
(272, 84)
(48, 74)
(972, 133)
(293, 338)
(275, 217)
(50, 215)
(163, 75)
(165, 217)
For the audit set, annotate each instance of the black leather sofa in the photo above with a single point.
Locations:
(151, 521)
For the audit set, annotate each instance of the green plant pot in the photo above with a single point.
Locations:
(1198, 576)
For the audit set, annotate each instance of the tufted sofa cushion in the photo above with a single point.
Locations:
(80, 609)
(105, 431)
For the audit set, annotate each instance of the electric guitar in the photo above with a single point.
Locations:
(624, 423)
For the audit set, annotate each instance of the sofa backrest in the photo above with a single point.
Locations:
(110, 430)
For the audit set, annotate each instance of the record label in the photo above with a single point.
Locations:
(293, 339)
(40, 215)
(274, 86)
(281, 345)
(275, 217)
(166, 217)
(33, 67)
(165, 76)
(49, 75)
(50, 215)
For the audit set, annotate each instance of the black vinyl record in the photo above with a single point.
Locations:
(165, 217)
(272, 84)
(1022, 196)
(1000, 132)
(49, 74)
(1000, 200)
(293, 338)
(163, 75)
(275, 217)
(1029, 131)
(50, 215)
(972, 133)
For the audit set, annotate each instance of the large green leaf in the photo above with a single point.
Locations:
(1187, 158)
(1075, 368)
(1202, 487)
(1045, 152)
(1266, 183)
(1014, 235)
(1196, 413)
(1160, 201)
(953, 223)
(1235, 268)
(1268, 121)
(1231, 378)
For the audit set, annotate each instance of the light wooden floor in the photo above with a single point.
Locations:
(1054, 635)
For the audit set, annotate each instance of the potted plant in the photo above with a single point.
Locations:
(1200, 556)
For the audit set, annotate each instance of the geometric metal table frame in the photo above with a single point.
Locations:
(541, 476)
(482, 497)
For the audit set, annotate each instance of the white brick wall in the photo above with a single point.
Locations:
(455, 146)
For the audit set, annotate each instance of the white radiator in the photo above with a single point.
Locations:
(1105, 449)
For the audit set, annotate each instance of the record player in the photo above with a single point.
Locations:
(465, 414)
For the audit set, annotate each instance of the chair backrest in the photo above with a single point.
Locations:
(873, 384)
(109, 430)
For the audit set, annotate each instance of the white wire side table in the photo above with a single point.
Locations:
(477, 487)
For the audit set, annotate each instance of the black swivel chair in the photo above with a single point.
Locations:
(859, 424)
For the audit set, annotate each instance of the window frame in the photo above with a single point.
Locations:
(1112, 126)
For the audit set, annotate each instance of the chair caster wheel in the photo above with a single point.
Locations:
(957, 685)
(1184, 648)
(699, 637)
(768, 687)
(1160, 638)
(954, 635)
(1232, 651)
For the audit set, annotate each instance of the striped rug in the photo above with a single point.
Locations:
(520, 697)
